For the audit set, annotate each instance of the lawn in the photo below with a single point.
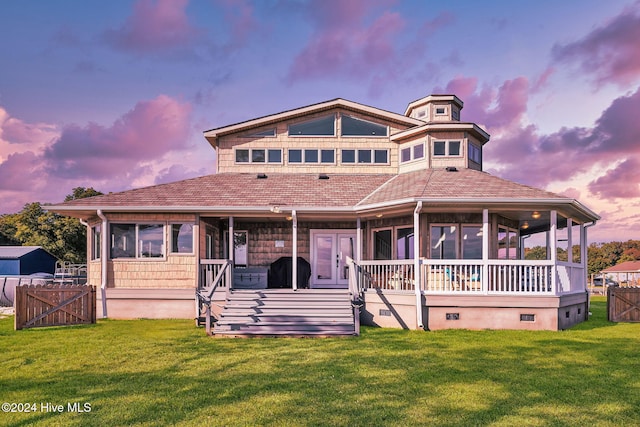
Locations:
(167, 372)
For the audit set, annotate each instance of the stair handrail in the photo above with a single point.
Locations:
(216, 282)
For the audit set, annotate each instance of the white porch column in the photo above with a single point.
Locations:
(416, 264)
(358, 254)
(294, 251)
(553, 249)
(569, 241)
(583, 254)
(485, 251)
(231, 252)
(105, 239)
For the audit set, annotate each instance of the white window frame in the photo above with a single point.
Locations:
(137, 256)
(394, 239)
(96, 242)
(193, 236)
(412, 153)
(363, 136)
(309, 121)
(250, 150)
(225, 249)
(457, 237)
(446, 148)
(437, 107)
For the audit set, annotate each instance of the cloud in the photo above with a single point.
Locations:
(610, 53)
(16, 131)
(21, 172)
(344, 43)
(177, 172)
(154, 26)
(147, 132)
(623, 181)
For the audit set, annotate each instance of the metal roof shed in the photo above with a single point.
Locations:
(24, 260)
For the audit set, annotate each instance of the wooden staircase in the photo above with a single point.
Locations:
(284, 312)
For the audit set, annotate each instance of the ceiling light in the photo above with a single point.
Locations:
(525, 225)
(535, 215)
(379, 215)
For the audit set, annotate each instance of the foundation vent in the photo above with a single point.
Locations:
(527, 317)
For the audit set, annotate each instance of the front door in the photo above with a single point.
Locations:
(329, 252)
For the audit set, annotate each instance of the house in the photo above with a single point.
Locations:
(626, 273)
(25, 260)
(393, 209)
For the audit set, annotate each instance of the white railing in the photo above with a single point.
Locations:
(391, 274)
(209, 269)
(468, 276)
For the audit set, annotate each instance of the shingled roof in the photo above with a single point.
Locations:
(344, 192)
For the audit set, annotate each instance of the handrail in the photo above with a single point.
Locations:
(216, 281)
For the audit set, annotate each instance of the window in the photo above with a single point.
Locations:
(323, 126)
(382, 244)
(380, 156)
(262, 133)
(404, 243)
(475, 153)
(352, 126)
(96, 241)
(274, 156)
(295, 156)
(137, 241)
(182, 238)
(405, 154)
(311, 156)
(258, 155)
(441, 111)
(150, 241)
(348, 156)
(455, 114)
(471, 242)
(364, 156)
(507, 243)
(327, 156)
(242, 156)
(446, 148)
(240, 244)
(444, 241)
(412, 153)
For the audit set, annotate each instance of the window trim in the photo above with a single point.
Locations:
(444, 110)
(462, 226)
(412, 153)
(314, 135)
(136, 257)
(387, 130)
(303, 156)
(475, 149)
(394, 239)
(251, 161)
(372, 153)
(446, 148)
(193, 235)
(96, 242)
(457, 237)
(265, 133)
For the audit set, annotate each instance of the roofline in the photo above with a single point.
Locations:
(434, 126)
(592, 216)
(431, 98)
(337, 102)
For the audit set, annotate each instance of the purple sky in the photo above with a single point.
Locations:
(115, 95)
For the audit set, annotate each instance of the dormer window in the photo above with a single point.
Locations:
(323, 126)
(352, 126)
(441, 111)
(446, 148)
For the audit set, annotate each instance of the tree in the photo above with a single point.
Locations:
(64, 237)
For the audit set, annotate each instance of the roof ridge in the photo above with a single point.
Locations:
(378, 189)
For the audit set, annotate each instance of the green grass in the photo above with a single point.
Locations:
(167, 372)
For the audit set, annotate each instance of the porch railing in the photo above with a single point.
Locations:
(468, 276)
(209, 269)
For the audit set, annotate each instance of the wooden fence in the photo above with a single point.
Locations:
(623, 304)
(54, 305)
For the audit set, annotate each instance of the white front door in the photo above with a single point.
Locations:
(329, 252)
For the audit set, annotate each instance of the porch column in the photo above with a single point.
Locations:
(569, 241)
(583, 254)
(553, 250)
(105, 239)
(485, 251)
(231, 252)
(416, 264)
(294, 251)
(358, 254)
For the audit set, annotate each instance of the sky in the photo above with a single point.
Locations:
(116, 94)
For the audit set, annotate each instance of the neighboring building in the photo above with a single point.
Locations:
(625, 273)
(397, 193)
(25, 260)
